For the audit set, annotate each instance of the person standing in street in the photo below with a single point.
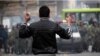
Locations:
(4, 36)
(43, 33)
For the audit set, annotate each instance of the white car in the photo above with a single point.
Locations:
(73, 44)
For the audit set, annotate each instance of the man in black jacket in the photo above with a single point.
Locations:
(43, 33)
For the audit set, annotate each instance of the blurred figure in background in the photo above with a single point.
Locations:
(69, 20)
(4, 36)
(6, 28)
(96, 39)
(14, 40)
(91, 21)
(21, 46)
(83, 33)
(0, 39)
(28, 40)
(17, 43)
(92, 34)
(11, 40)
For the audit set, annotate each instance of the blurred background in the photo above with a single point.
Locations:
(12, 12)
(85, 15)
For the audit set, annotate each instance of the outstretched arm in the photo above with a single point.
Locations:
(25, 31)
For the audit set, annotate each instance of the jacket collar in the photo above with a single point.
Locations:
(44, 18)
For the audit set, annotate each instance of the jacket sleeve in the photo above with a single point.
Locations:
(62, 32)
(25, 31)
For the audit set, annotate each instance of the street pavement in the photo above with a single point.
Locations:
(63, 46)
(64, 54)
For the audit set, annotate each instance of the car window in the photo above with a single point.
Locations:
(74, 27)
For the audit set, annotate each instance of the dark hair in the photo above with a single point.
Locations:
(44, 11)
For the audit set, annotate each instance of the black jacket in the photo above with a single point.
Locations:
(43, 33)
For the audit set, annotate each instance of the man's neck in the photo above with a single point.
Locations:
(44, 18)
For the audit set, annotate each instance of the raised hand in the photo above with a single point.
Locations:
(27, 17)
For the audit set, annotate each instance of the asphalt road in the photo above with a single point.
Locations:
(77, 54)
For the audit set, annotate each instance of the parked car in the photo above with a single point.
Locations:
(72, 45)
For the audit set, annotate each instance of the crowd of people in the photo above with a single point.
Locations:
(11, 43)
(90, 35)
(18, 42)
